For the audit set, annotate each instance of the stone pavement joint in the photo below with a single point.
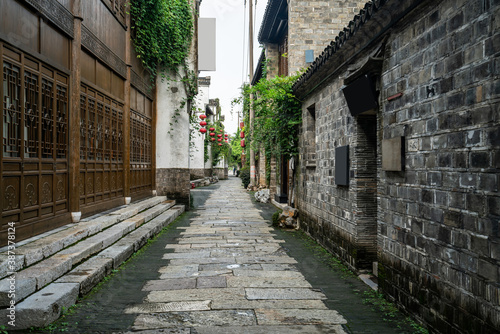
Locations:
(228, 274)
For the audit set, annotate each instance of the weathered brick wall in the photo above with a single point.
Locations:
(312, 25)
(272, 55)
(174, 183)
(438, 220)
(342, 218)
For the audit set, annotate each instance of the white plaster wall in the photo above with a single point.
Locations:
(172, 140)
(197, 157)
(222, 163)
(208, 164)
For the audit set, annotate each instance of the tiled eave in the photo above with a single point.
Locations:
(366, 28)
(276, 10)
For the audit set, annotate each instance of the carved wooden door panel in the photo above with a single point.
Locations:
(34, 165)
(141, 145)
(101, 148)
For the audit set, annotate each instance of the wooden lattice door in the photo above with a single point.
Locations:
(141, 144)
(101, 148)
(34, 157)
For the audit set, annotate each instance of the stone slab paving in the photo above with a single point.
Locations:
(228, 274)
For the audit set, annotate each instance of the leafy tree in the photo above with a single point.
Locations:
(236, 150)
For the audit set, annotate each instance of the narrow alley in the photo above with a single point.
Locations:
(222, 268)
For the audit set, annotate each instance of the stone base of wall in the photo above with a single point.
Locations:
(222, 173)
(208, 172)
(174, 183)
(357, 257)
(197, 173)
(434, 300)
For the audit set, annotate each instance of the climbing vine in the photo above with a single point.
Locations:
(278, 115)
(162, 33)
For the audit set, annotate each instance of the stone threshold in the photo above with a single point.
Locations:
(53, 270)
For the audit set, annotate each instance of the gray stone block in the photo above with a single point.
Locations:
(109, 236)
(88, 274)
(20, 287)
(283, 293)
(43, 307)
(74, 235)
(275, 329)
(298, 317)
(83, 249)
(138, 237)
(32, 254)
(118, 252)
(195, 319)
(48, 270)
(6, 267)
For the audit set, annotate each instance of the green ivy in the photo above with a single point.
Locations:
(278, 114)
(162, 33)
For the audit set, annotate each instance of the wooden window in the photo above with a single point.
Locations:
(11, 110)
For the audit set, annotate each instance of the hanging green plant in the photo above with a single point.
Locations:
(162, 33)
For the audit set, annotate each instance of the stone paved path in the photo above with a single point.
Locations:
(229, 274)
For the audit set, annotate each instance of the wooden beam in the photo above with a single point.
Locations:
(74, 113)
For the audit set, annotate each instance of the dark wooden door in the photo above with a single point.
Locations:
(101, 149)
(34, 157)
(140, 155)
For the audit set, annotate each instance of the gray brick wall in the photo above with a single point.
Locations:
(313, 24)
(437, 222)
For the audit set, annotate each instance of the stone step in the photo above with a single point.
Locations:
(42, 307)
(74, 266)
(44, 247)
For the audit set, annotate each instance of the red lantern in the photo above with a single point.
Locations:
(203, 123)
(242, 143)
(227, 141)
(212, 129)
(221, 130)
(213, 139)
(242, 124)
(203, 130)
(211, 134)
(202, 116)
(219, 135)
(225, 135)
(220, 144)
(219, 139)
(242, 134)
